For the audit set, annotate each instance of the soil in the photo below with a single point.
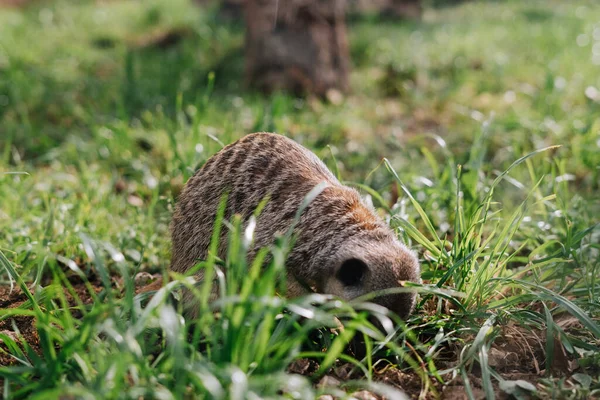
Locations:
(24, 326)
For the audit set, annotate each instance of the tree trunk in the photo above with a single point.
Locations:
(405, 9)
(411, 9)
(297, 45)
(228, 9)
(233, 9)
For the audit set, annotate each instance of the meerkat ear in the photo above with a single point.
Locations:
(352, 272)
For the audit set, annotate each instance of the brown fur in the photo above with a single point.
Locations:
(336, 227)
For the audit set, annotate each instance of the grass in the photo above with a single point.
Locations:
(475, 133)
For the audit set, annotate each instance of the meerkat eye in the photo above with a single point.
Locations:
(351, 272)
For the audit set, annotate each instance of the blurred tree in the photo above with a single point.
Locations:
(411, 9)
(233, 9)
(297, 45)
(228, 9)
(405, 8)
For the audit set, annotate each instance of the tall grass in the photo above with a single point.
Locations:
(240, 345)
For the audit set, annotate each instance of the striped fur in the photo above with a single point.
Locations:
(337, 226)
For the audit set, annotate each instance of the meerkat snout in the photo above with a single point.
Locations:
(349, 280)
(342, 247)
(371, 267)
(352, 273)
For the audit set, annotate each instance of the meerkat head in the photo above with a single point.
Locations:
(364, 265)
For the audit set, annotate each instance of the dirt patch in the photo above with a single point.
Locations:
(23, 328)
(16, 327)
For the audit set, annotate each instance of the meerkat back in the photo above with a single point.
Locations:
(342, 247)
(248, 170)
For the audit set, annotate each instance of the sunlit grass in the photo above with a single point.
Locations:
(474, 133)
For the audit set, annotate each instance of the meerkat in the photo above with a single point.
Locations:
(342, 247)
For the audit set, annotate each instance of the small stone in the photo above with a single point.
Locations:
(328, 381)
(120, 186)
(335, 97)
(301, 366)
(10, 334)
(344, 371)
(364, 395)
(143, 278)
(135, 201)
